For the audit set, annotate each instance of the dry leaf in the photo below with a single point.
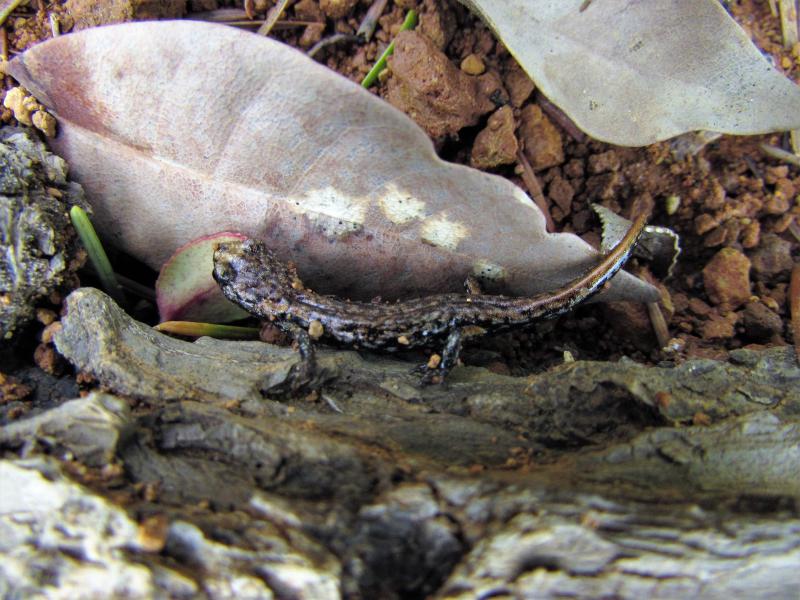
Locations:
(182, 129)
(633, 72)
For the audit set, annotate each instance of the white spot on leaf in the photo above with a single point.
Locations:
(438, 231)
(332, 203)
(486, 270)
(335, 213)
(399, 206)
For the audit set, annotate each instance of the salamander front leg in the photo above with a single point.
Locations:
(303, 374)
(436, 373)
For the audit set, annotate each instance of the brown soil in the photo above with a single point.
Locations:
(737, 216)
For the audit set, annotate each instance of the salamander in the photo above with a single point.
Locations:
(251, 276)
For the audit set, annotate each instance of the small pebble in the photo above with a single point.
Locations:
(44, 122)
(672, 204)
(473, 65)
(45, 316)
(152, 534)
(49, 331)
(315, 330)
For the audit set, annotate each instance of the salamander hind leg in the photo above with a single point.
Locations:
(436, 370)
(472, 286)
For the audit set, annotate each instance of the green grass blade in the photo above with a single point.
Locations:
(409, 23)
(97, 255)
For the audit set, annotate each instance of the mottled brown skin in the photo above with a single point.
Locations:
(252, 277)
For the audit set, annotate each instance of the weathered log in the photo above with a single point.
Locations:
(582, 481)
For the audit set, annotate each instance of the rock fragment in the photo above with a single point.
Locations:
(88, 428)
(727, 278)
(760, 323)
(496, 144)
(39, 249)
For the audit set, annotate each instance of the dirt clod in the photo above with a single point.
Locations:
(561, 192)
(631, 323)
(772, 259)
(540, 138)
(727, 278)
(336, 9)
(720, 326)
(48, 360)
(308, 10)
(88, 13)
(11, 389)
(437, 23)
(496, 144)
(432, 90)
(311, 35)
(519, 85)
(760, 323)
(604, 162)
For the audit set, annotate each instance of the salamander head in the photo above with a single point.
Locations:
(251, 276)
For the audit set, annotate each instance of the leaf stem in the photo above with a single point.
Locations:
(409, 23)
(97, 255)
(192, 329)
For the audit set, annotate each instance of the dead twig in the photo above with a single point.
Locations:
(555, 113)
(370, 22)
(221, 15)
(788, 13)
(3, 43)
(55, 25)
(332, 40)
(250, 8)
(659, 324)
(781, 154)
(794, 307)
(535, 190)
(236, 17)
(272, 17)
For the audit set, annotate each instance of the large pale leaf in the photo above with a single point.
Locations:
(182, 129)
(632, 72)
